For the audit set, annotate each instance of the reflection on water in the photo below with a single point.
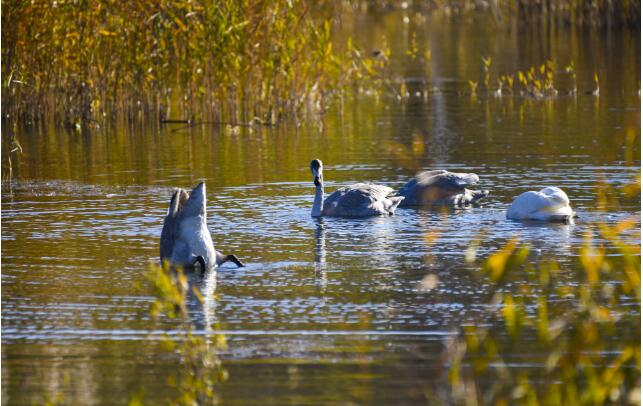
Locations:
(324, 310)
(320, 254)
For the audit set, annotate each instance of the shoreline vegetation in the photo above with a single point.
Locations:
(240, 63)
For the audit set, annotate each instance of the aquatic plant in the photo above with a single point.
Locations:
(535, 81)
(538, 81)
(587, 344)
(200, 367)
(597, 86)
(12, 149)
(473, 86)
(571, 70)
(486, 63)
(233, 61)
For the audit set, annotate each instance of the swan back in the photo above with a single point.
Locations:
(549, 204)
(555, 194)
(440, 187)
(361, 200)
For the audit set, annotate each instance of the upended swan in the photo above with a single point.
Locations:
(185, 239)
(549, 204)
(358, 200)
(441, 188)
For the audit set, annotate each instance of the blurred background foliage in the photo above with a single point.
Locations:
(585, 344)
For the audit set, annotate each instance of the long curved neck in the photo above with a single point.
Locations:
(319, 201)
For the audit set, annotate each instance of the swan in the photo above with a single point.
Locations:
(441, 188)
(550, 204)
(358, 200)
(185, 239)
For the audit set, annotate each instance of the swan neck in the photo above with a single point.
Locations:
(318, 202)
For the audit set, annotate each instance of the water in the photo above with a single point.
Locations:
(325, 310)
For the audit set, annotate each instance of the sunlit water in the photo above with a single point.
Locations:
(325, 310)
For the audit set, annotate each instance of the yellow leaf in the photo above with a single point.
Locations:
(197, 294)
(543, 318)
(107, 33)
(509, 313)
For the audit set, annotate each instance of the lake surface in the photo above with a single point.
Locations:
(325, 310)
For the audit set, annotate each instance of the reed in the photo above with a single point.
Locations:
(224, 60)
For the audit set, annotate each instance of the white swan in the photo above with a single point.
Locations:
(185, 239)
(441, 188)
(358, 200)
(550, 204)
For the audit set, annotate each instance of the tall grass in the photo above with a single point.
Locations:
(223, 60)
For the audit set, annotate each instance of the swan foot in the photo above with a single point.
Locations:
(478, 195)
(233, 258)
(222, 259)
(199, 259)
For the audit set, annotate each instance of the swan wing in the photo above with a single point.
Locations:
(446, 179)
(358, 200)
(439, 187)
(168, 233)
(555, 194)
(544, 205)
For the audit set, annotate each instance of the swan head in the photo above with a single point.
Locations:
(316, 169)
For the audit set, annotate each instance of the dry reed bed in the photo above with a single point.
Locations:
(226, 60)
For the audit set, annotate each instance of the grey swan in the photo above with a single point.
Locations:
(185, 238)
(441, 188)
(358, 200)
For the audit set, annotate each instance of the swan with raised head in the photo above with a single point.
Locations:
(548, 204)
(441, 188)
(358, 200)
(185, 239)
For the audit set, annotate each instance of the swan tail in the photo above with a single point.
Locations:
(195, 204)
(395, 201)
